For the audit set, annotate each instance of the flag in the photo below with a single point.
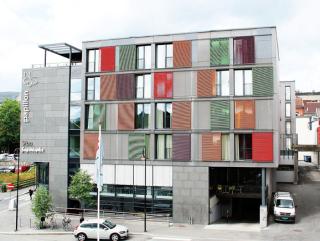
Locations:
(99, 157)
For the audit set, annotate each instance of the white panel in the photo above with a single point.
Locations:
(139, 175)
(162, 176)
(91, 169)
(108, 174)
(124, 174)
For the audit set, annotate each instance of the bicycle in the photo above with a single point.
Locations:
(52, 221)
(66, 223)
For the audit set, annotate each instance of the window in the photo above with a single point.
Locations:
(94, 115)
(75, 93)
(222, 83)
(163, 115)
(74, 146)
(288, 110)
(288, 127)
(75, 112)
(243, 82)
(243, 146)
(144, 57)
(93, 63)
(225, 147)
(162, 193)
(143, 86)
(288, 93)
(163, 147)
(288, 143)
(142, 116)
(93, 88)
(164, 56)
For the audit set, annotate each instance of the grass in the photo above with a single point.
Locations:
(12, 177)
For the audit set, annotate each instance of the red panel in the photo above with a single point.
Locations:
(163, 85)
(318, 132)
(244, 50)
(262, 147)
(107, 58)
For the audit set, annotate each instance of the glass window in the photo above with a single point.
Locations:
(288, 127)
(288, 93)
(222, 84)
(225, 147)
(93, 64)
(164, 56)
(144, 57)
(163, 115)
(163, 147)
(142, 116)
(93, 88)
(288, 143)
(143, 86)
(75, 90)
(124, 191)
(288, 110)
(95, 114)
(243, 82)
(74, 146)
(75, 112)
(243, 147)
(162, 193)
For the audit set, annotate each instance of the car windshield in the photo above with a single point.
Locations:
(284, 203)
(109, 224)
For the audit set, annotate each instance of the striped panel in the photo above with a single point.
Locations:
(125, 86)
(243, 50)
(108, 87)
(244, 114)
(126, 116)
(181, 147)
(136, 144)
(182, 54)
(181, 115)
(206, 83)
(107, 58)
(127, 57)
(262, 81)
(220, 115)
(211, 146)
(90, 146)
(219, 52)
(262, 147)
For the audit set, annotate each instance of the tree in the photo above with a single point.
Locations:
(41, 203)
(80, 187)
(9, 125)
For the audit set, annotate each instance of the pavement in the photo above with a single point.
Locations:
(306, 196)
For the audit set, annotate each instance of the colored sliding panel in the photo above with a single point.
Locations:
(219, 52)
(244, 112)
(182, 54)
(181, 115)
(211, 146)
(206, 83)
(127, 57)
(181, 147)
(262, 147)
(136, 145)
(90, 146)
(262, 78)
(126, 116)
(108, 86)
(220, 115)
(163, 84)
(107, 58)
(125, 86)
(243, 50)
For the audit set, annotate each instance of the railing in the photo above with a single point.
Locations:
(63, 64)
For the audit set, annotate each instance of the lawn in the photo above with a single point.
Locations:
(12, 177)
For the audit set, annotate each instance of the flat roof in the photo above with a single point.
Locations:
(64, 50)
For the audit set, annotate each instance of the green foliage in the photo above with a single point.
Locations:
(41, 203)
(10, 177)
(4, 187)
(9, 125)
(80, 187)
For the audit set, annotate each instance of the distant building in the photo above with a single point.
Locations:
(306, 103)
(9, 95)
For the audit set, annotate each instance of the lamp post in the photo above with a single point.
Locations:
(144, 157)
(17, 157)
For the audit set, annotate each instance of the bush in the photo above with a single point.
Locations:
(4, 187)
(41, 203)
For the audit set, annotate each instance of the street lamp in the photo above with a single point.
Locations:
(16, 157)
(144, 157)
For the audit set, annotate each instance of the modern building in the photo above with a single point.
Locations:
(202, 106)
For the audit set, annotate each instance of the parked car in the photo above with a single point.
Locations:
(10, 157)
(88, 230)
(284, 208)
(3, 156)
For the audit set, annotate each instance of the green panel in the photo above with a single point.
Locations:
(262, 78)
(220, 115)
(137, 142)
(219, 52)
(127, 57)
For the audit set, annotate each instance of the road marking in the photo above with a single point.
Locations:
(171, 239)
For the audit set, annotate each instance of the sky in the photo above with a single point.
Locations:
(25, 24)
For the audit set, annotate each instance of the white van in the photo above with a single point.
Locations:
(284, 208)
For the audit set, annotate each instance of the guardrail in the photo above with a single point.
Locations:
(22, 184)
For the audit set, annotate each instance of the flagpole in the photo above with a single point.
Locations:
(98, 181)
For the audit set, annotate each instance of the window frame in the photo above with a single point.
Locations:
(219, 83)
(96, 63)
(164, 126)
(287, 97)
(143, 86)
(286, 127)
(96, 88)
(73, 92)
(238, 149)
(144, 56)
(143, 116)
(286, 109)
(166, 149)
(244, 83)
(166, 57)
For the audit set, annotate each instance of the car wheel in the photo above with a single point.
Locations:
(114, 237)
(81, 237)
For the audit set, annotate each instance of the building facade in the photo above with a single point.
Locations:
(202, 107)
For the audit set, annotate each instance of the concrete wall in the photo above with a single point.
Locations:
(191, 194)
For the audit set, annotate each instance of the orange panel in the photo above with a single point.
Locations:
(126, 116)
(181, 115)
(206, 83)
(262, 147)
(244, 111)
(181, 54)
(211, 147)
(90, 145)
(108, 87)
